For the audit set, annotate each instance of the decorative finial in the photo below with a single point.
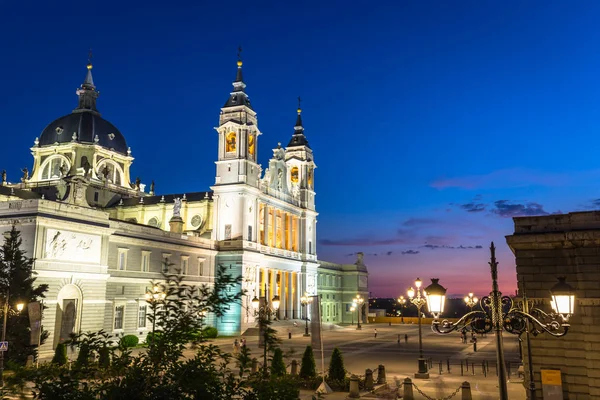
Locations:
(299, 102)
(239, 56)
(90, 55)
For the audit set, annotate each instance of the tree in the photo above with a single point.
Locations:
(336, 366)
(244, 359)
(308, 368)
(17, 285)
(278, 368)
(60, 355)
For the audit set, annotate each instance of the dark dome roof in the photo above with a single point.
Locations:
(87, 124)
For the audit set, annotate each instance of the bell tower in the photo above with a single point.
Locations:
(238, 137)
(300, 165)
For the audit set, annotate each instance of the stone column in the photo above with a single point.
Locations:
(275, 227)
(290, 294)
(282, 294)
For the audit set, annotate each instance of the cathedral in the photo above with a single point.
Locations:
(99, 238)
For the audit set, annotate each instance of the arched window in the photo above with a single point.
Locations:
(55, 167)
(230, 142)
(294, 175)
(111, 171)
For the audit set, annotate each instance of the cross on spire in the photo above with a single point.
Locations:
(299, 103)
(90, 55)
(239, 53)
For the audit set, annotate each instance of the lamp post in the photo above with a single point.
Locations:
(402, 302)
(155, 297)
(352, 309)
(306, 300)
(471, 301)
(264, 312)
(358, 300)
(434, 296)
(515, 321)
(6, 310)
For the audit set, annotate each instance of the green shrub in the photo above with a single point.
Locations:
(60, 354)
(150, 337)
(308, 368)
(129, 341)
(210, 332)
(104, 357)
(83, 358)
(337, 372)
(277, 365)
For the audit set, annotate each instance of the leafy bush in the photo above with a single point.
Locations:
(308, 368)
(210, 332)
(60, 354)
(104, 357)
(129, 341)
(278, 368)
(152, 337)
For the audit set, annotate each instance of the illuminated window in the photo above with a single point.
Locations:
(251, 145)
(55, 168)
(110, 171)
(230, 142)
(294, 175)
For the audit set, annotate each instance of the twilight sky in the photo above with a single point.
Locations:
(432, 122)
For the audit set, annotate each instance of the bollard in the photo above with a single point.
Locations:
(466, 391)
(354, 391)
(473, 368)
(289, 335)
(461, 368)
(408, 390)
(484, 369)
(254, 365)
(440, 367)
(448, 362)
(369, 385)
(294, 367)
(381, 375)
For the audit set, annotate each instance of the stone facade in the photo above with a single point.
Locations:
(99, 239)
(563, 245)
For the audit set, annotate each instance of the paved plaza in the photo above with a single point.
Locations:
(361, 350)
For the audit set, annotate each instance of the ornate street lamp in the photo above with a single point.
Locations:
(471, 301)
(155, 297)
(419, 301)
(263, 313)
(500, 313)
(306, 300)
(358, 300)
(402, 302)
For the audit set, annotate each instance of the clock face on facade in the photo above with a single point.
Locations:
(196, 220)
(251, 145)
(294, 175)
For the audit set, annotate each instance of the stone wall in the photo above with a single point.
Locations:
(563, 245)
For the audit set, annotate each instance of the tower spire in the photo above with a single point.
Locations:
(238, 96)
(87, 91)
(298, 138)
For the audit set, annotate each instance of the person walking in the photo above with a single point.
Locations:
(375, 332)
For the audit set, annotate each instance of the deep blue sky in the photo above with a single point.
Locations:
(432, 122)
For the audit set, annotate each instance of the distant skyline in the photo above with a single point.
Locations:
(432, 123)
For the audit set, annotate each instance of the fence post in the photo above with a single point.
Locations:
(294, 367)
(354, 391)
(369, 380)
(408, 390)
(466, 391)
(381, 375)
